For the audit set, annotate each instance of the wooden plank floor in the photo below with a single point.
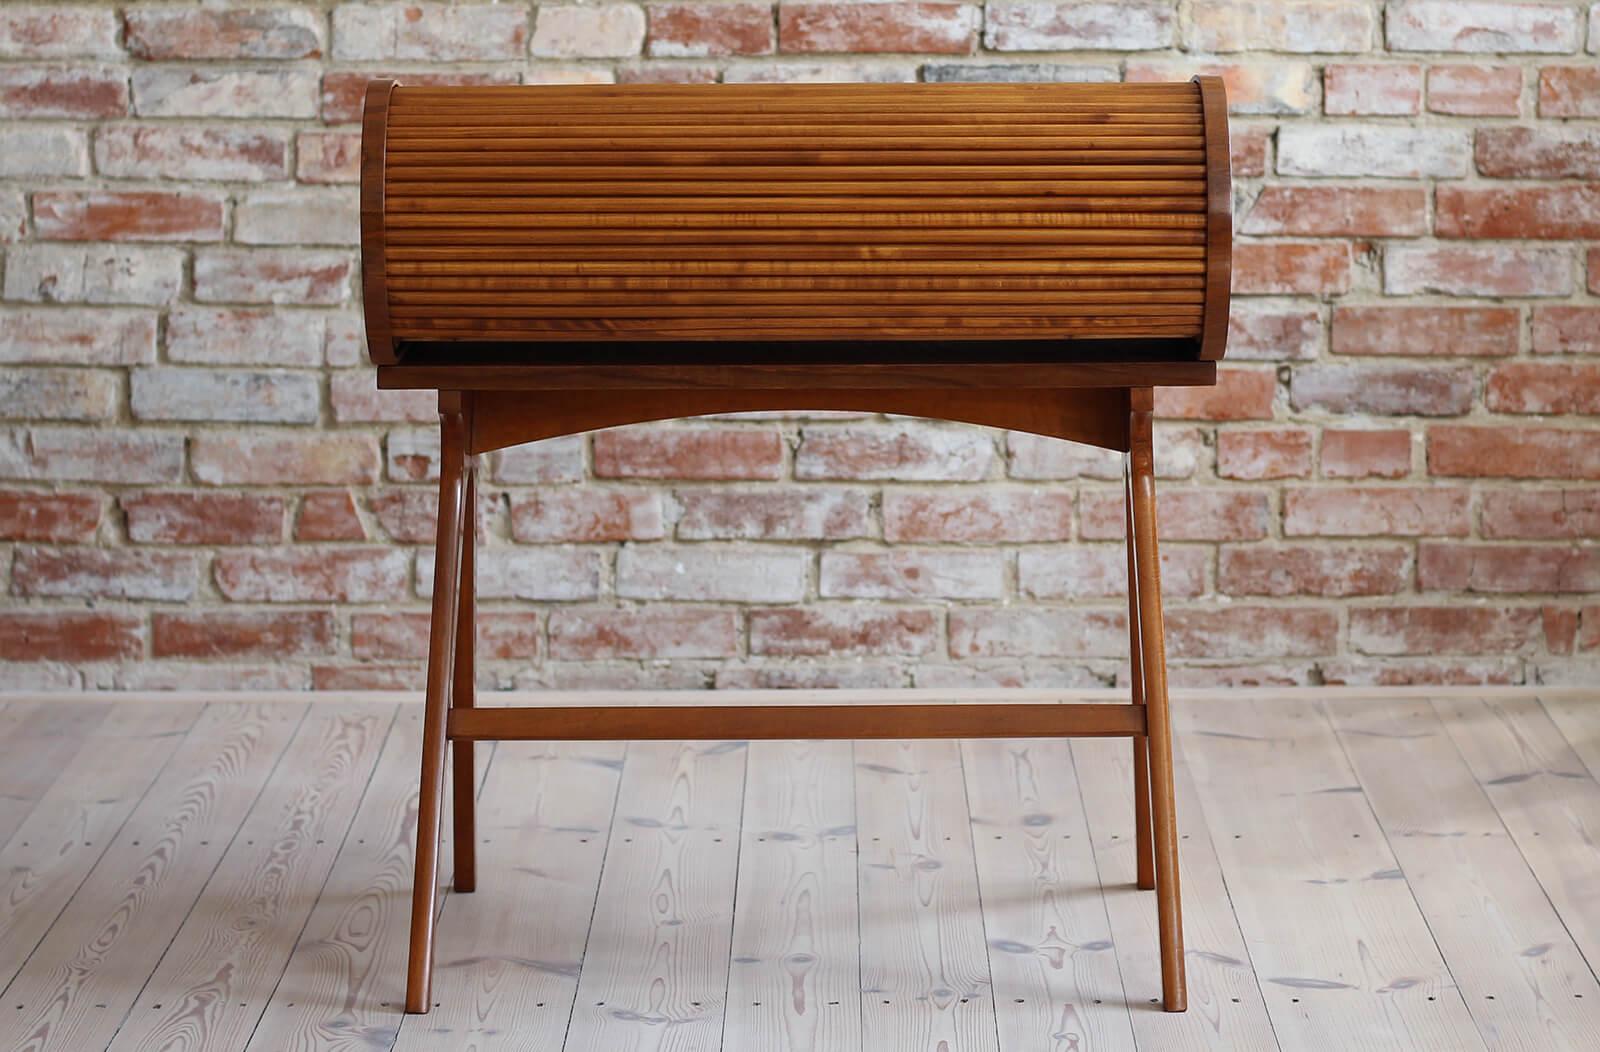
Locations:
(1363, 870)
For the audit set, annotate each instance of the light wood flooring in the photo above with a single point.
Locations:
(1367, 871)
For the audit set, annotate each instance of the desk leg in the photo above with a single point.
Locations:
(464, 695)
(1145, 876)
(441, 659)
(1169, 910)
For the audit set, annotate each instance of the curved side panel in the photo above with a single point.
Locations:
(1219, 218)
(374, 282)
(509, 418)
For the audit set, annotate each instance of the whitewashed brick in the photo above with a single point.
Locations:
(93, 274)
(1092, 26)
(327, 216)
(163, 151)
(57, 394)
(77, 337)
(27, 151)
(541, 574)
(213, 394)
(52, 31)
(598, 31)
(1378, 150)
(1481, 27)
(737, 575)
(185, 92)
(430, 32)
(1278, 25)
(233, 336)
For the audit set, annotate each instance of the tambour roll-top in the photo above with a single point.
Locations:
(1079, 215)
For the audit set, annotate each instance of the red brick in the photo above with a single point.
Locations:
(1559, 212)
(770, 514)
(688, 453)
(1376, 511)
(409, 516)
(1539, 153)
(1513, 452)
(586, 516)
(1100, 571)
(27, 515)
(298, 575)
(1560, 629)
(202, 518)
(104, 573)
(648, 633)
(1461, 567)
(67, 93)
(343, 93)
(355, 398)
(910, 573)
(864, 28)
(990, 517)
(166, 33)
(1452, 629)
(1261, 333)
(1239, 394)
(980, 632)
(1181, 514)
(90, 454)
(1310, 569)
(901, 452)
(1281, 453)
(49, 31)
(1541, 514)
(329, 515)
(1247, 148)
(1589, 628)
(275, 634)
(160, 151)
(1251, 632)
(1353, 453)
(1339, 211)
(1476, 270)
(702, 30)
(1425, 330)
(1569, 91)
(293, 276)
(1371, 88)
(1566, 330)
(1543, 387)
(1475, 91)
(1389, 390)
(500, 636)
(1291, 268)
(268, 459)
(99, 215)
(68, 635)
(834, 630)
(328, 157)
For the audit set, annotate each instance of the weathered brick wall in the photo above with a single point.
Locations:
(1395, 480)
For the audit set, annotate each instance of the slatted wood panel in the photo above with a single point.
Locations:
(1345, 933)
(749, 212)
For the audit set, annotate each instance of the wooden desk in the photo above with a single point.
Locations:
(554, 260)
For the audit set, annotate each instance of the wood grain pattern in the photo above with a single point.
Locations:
(209, 989)
(794, 980)
(342, 986)
(98, 951)
(509, 955)
(1343, 953)
(577, 193)
(76, 819)
(1052, 959)
(924, 968)
(655, 974)
(41, 736)
(1523, 979)
(1225, 1005)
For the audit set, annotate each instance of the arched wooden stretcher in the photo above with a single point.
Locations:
(558, 259)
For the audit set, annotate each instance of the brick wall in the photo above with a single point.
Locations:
(1397, 480)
